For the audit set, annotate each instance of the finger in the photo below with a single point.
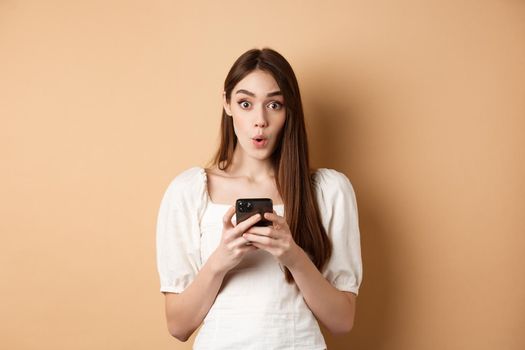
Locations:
(273, 217)
(240, 242)
(227, 218)
(248, 248)
(262, 231)
(260, 246)
(246, 224)
(267, 241)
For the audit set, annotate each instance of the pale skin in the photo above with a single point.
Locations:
(251, 175)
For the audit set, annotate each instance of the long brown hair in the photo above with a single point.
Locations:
(290, 158)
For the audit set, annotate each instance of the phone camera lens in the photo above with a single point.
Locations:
(245, 206)
(242, 207)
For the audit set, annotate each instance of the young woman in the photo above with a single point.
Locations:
(257, 287)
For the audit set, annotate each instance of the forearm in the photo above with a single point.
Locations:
(328, 304)
(187, 311)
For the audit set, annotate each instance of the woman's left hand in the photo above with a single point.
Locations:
(275, 239)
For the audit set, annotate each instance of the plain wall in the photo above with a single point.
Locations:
(420, 103)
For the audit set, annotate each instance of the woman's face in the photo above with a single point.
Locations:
(257, 109)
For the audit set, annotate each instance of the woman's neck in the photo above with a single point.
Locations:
(251, 168)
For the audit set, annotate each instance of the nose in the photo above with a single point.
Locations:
(260, 120)
(260, 123)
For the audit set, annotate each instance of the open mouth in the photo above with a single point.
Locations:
(260, 141)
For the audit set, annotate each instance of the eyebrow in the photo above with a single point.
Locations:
(274, 93)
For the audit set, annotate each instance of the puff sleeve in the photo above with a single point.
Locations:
(338, 208)
(178, 232)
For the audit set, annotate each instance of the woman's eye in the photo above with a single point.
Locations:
(274, 105)
(278, 105)
(244, 104)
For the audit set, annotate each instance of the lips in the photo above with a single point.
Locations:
(259, 137)
(260, 141)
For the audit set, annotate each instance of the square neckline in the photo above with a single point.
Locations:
(208, 197)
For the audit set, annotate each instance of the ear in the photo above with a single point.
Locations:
(225, 104)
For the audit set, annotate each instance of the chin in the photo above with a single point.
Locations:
(260, 156)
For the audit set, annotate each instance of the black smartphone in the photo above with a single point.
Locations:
(247, 207)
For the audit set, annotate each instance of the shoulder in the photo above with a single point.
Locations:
(189, 175)
(187, 182)
(333, 188)
(327, 179)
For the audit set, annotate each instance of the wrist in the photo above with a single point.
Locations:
(215, 267)
(298, 258)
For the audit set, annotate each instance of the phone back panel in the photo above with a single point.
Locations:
(247, 207)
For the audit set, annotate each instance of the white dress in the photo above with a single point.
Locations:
(255, 307)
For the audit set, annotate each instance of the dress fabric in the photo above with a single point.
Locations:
(255, 307)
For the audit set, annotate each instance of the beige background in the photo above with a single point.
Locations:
(420, 103)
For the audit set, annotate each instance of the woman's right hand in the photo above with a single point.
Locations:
(232, 248)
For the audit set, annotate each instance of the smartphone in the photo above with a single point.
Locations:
(247, 207)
